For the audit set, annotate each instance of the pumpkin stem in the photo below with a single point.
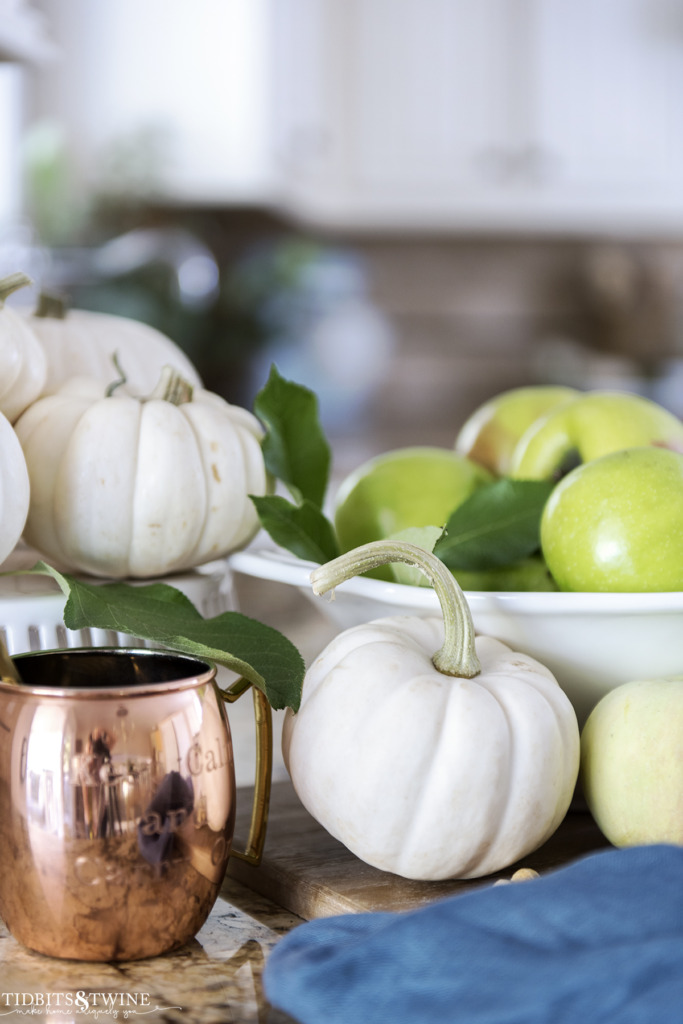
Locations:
(458, 656)
(50, 306)
(123, 379)
(172, 387)
(12, 283)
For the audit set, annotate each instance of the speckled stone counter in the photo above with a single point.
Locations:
(215, 979)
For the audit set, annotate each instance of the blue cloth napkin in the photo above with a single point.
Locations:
(598, 941)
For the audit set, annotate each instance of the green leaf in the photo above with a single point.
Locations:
(163, 615)
(425, 537)
(497, 525)
(295, 448)
(301, 529)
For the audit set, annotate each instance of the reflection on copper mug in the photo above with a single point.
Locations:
(117, 800)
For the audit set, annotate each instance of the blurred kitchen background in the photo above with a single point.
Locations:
(408, 205)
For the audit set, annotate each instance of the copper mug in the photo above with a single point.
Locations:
(117, 800)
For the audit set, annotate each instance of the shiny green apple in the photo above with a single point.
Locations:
(616, 524)
(491, 433)
(588, 427)
(415, 486)
(632, 762)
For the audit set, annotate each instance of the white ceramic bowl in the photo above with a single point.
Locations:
(591, 642)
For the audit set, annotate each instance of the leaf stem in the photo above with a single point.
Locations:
(457, 656)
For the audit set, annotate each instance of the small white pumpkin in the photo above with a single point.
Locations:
(23, 365)
(14, 489)
(129, 487)
(451, 766)
(77, 341)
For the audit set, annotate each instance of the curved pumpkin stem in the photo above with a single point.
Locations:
(172, 387)
(458, 656)
(51, 306)
(115, 384)
(12, 283)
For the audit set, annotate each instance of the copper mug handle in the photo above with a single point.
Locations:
(263, 717)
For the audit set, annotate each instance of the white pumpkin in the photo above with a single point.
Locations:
(77, 341)
(447, 766)
(129, 487)
(23, 365)
(14, 489)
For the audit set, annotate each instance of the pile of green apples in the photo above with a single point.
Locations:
(614, 517)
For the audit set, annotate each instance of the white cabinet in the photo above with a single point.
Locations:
(467, 114)
(483, 114)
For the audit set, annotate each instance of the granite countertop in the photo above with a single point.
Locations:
(215, 979)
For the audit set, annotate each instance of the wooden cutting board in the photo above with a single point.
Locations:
(311, 874)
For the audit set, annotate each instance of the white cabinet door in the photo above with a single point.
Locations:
(390, 106)
(607, 95)
(429, 97)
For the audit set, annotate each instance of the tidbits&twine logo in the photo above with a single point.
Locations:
(95, 1005)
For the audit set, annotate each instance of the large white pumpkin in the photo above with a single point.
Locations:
(129, 487)
(85, 343)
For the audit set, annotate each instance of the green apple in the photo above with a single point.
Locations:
(632, 762)
(591, 425)
(415, 486)
(424, 537)
(616, 523)
(491, 433)
(531, 574)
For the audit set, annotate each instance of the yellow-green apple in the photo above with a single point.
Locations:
(415, 486)
(616, 523)
(589, 426)
(632, 762)
(491, 433)
(530, 574)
